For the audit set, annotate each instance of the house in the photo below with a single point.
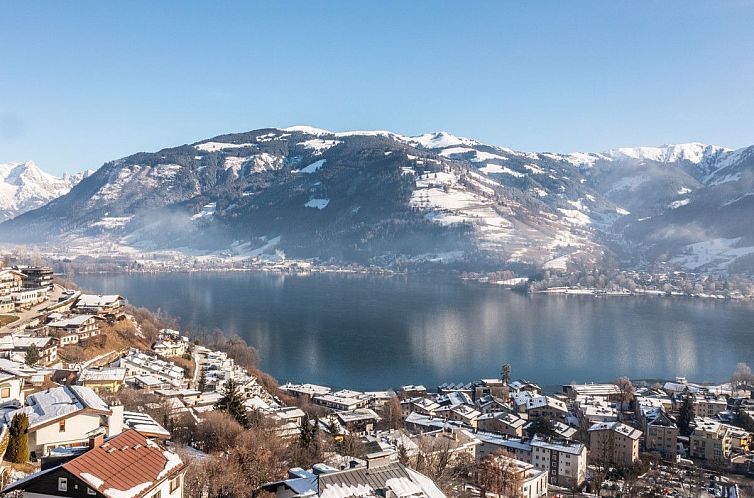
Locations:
(100, 304)
(592, 409)
(11, 386)
(305, 391)
(391, 479)
(65, 416)
(710, 440)
(411, 391)
(344, 400)
(26, 298)
(546, 407)
(149, 371)
(564, 461)
(662, 435)
(358, 422)
(126, 465)
(145, 424)
(614, 443)
(74, 329)
(102, 379)
(501, 423)
(11, 281)
(529, 481)
(464, 414)
(453, 441)
(709, 406)
(611, 392)
(489, 387)
(522, 385)
(170, 347)
(47, 347)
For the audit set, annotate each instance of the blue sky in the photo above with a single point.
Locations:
(82, 83)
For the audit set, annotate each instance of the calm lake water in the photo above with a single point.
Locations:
(373, 332)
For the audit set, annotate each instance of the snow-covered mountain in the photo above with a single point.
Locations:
(23, 187)
(382, 197)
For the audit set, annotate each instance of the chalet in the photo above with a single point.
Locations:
(102, 379)
(127, 465)
(11, 281)
(26, 298)
(14, 344)
(100, 304)
(74, 329)
(65, 416)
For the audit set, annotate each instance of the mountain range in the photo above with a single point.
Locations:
(23, 187)
(377, 197)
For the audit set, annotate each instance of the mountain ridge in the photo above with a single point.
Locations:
(379, 197)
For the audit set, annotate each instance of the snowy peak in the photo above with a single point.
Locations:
(693, 152)
(24, 186)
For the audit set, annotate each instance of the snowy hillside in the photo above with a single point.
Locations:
(385, 198)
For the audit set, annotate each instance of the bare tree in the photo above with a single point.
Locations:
(742, 377)
(626, 393)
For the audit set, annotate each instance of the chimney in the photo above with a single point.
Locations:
(96, 441)
(115, 419)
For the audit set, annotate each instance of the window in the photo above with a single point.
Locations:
(158, 494)
(5, 391)
(61, 426)
(90, 491)
(63, 484)
(175, 483)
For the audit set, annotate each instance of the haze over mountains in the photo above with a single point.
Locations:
(380, 197)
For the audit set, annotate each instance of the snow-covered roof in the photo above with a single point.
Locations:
(56, 403)
(97, 301)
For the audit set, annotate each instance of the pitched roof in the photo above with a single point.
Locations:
(125, 466)
(45, 407)
(366, 482)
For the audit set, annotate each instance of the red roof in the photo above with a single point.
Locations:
(125, 466)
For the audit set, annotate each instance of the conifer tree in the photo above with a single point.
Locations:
(32, 355)
(232, 403)
(686, 415)
(18, 443)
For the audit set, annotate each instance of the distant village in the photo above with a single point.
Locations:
(100, 399)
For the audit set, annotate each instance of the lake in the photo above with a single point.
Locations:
(374, 332)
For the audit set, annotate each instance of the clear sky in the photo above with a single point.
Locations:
(85, 82)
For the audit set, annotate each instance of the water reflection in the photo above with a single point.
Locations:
(375, 332)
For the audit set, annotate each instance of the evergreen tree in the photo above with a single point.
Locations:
(232, 403)
(32, 355)
(202, 381)
(686, 415)
(18, 443)
(541, 426)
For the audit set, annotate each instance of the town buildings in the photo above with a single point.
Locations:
(614, 443)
